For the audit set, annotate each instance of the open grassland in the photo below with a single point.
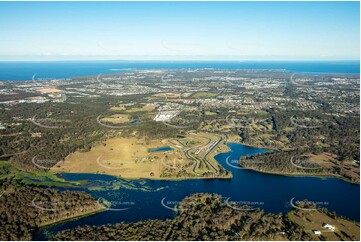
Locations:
(327, 160)
(191, 156)
(118, 108)
(8, 171)
(117, 119)
(313, 220)
(145, 108)
(124, 157)
(49, 90)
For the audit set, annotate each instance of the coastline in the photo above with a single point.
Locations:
(85, 67)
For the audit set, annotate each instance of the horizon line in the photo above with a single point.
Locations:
(187, 60)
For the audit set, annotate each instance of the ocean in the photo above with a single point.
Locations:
(20, 71)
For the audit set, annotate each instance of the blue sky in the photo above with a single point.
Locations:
(179, 30)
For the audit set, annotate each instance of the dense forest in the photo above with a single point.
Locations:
(337, 135)
(25, 207)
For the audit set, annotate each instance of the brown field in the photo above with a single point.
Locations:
(350, 169)
(118, 108)
(313, 220)
(204, 95)
(117, 119)
(168, 95)
(130, 158)
(210, 113)
(125, 157)
(48, 90)
(233, 138)
(145, 108)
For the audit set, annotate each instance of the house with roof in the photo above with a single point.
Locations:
(328, 226)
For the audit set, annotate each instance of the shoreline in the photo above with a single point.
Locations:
(303, 175)
(294, 174)
(145, 178)
(224, 149)
(43, 226)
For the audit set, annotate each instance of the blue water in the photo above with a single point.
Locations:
(135, 121)
(160, 149)
(269, 192)
(61, 69)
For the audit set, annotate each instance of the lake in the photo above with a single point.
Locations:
(134, 121)
(269, 192)
(160, 149)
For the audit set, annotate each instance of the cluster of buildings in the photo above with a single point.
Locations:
(326, 226)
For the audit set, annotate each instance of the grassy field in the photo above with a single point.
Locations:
(204, 95)
(130, 158)
(313, 220)
(118, 108)
(124, 157)
(145, 108)
(209, 113)
(32, 177)
(117, 119)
